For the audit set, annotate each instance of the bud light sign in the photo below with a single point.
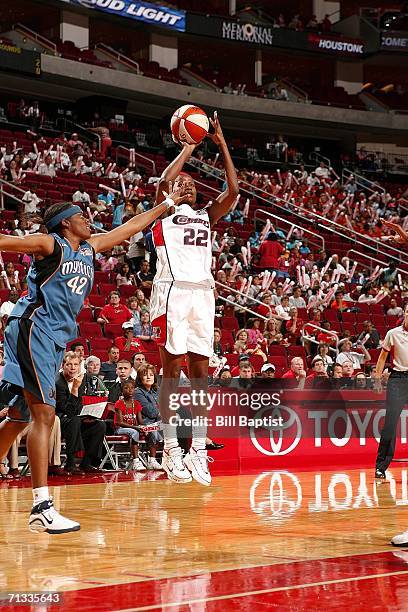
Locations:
(142, 11)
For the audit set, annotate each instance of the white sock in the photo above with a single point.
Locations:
(170, 436)
(39, 495)
(199, 437)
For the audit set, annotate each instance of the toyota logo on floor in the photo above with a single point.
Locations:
(276, 444)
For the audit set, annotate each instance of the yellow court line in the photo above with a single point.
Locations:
(260, 592)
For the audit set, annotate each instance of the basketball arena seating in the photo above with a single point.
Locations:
(98, 338)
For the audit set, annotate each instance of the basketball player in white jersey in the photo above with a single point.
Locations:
(182, 302)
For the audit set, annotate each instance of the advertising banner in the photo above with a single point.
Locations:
(154, 14)
(267, 427)
(394, 41)
(267, 36)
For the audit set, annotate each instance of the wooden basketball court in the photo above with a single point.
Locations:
(273, 540)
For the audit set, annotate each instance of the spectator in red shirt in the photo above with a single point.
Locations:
(270, 251)
(296, 376)
(294, 327)
(338, 303)
(266, 309)
(327, 338)
(317, 374)
(114, 312)
(128, 342)
(129, 422)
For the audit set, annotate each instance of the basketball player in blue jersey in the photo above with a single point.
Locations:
(182, 303)
(39, 327)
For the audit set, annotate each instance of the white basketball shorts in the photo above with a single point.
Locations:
(183, 319)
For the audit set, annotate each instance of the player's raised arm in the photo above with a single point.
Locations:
(173, 170)
(32, 244)
(227, 198)
(105, 242)
(401, 236)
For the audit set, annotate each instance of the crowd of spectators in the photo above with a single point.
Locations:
(284, 309)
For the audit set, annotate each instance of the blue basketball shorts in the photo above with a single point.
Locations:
(32, 360)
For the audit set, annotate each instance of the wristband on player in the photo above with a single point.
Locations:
(168, 202)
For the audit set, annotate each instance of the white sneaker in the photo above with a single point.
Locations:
(197, 462)
(400, 540)
(44, 517)
(172, 464)
(137, 465)
(153, 464)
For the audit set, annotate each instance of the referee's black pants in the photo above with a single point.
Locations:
(397, 397)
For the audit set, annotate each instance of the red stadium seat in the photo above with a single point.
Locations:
(127, 290)
(106, 288)
(257, 362)
(98, 301)
(86, 314)
(90, 329)
(100, 344)
(113, 330)
(230, 323)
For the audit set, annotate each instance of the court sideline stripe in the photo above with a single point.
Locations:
(259, 592)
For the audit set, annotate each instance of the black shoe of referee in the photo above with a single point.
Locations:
(380, 474)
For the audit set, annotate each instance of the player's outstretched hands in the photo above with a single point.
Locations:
(400, 234)
(217, 137)
(174, 194)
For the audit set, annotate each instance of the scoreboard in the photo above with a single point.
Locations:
(15, 59)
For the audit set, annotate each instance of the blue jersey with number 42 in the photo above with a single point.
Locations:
(57, 288)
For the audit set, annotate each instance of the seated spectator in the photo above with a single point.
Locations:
(123, 371)
(9, 279)
(339, 303)
(146, 393)
(346, 354)
(142, 300)
(134, 307)
(296, 299)
(115, 311)
(254, 333)
(373, 340)
(128, 342)
(218, 350)
(47, 168)
(224, 377)
(144, 276)
(128, 422)
(296, 376)
(142, 329)
(277, 296)
(272, 332)
(78, 348)
(394, 310)
(108, 368)
(81, 196)
(80, 433)
(245, 376)
(125, 276)
(323, 352)
(361, 381)
(7, 307)
(268, 370)
(325, 337)
(347, 379)
(137, 360)
(282, 311)
(92, 382)
(318, 375)
(294, 327)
